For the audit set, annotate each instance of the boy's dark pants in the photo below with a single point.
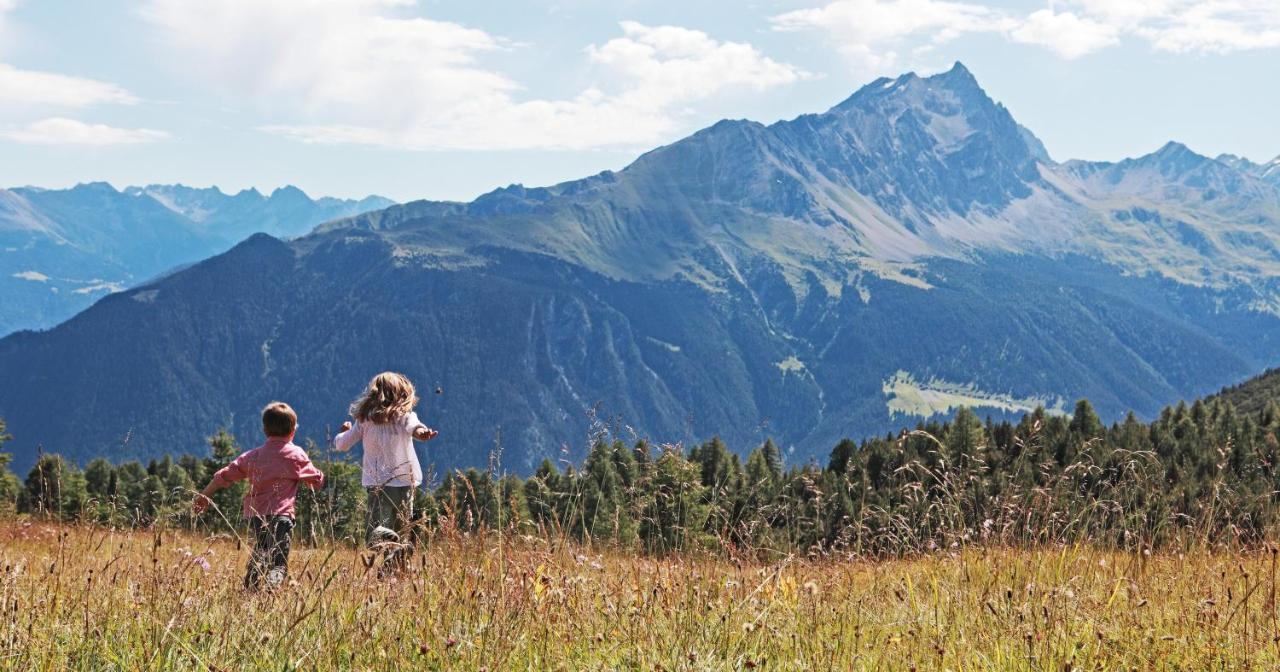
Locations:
(270, 559)
(391, 506)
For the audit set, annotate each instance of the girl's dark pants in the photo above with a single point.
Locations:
(270, 559)
(391, 506)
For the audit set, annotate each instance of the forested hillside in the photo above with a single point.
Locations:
(1254, 394)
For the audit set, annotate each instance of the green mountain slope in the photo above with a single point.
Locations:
(840, 274)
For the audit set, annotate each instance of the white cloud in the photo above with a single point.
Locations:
(62, 131)
(24, 93)
(1126, 14)
(670, 64)
(873, 34)
(1066, 34)
(6, 6)
(870, 33)
(365, 72)
(34, 87)
(1214, 26)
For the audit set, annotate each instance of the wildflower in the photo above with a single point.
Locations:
(811, 587)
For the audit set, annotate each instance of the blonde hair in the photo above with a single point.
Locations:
(389, 397)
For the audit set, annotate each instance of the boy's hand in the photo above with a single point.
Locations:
(200, 504)
(425, 433)
(346, 427)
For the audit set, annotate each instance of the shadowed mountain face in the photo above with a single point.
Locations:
(63, 249)
(911, 250)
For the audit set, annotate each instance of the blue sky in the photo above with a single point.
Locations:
(449, 99)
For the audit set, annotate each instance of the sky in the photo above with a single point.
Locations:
(450, 99)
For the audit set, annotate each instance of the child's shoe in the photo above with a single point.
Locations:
(382, 535)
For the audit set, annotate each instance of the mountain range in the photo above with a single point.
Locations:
(63, 249)
(909, 251)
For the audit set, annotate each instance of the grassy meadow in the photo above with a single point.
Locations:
(80, 597)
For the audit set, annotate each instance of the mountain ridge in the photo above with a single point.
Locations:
(61, 249)
(749, 280)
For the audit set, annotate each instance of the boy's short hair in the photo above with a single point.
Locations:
(278, 419)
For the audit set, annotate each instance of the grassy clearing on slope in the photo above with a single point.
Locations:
(79, 597)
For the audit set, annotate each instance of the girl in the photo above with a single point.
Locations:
(386, 423)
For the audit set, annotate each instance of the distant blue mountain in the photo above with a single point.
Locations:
(62, 249)
(911, 250)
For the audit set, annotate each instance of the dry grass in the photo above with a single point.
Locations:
(78, 597)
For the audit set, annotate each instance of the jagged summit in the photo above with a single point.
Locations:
(1271, 171)
(958, 80)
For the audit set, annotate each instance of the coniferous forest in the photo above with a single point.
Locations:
(1199, 473)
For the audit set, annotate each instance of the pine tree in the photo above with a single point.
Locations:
(10, 486)
(674, 514)
(605, 514)
(773, 458)
(1085, 423)
(131, 483)
(54, 487)
(99, 484)
(842, 455)
(540, 494)
(226, 506)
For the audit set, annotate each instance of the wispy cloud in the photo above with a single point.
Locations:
(32, 93)
(386, 78)
(33, 87)
(63, 131)
(874, 34)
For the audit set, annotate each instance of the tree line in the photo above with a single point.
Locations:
(1200, 473)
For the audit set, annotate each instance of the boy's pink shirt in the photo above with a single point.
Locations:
(274, 470)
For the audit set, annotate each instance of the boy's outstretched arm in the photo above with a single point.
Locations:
(310, 475)
(224, 477)
(202, 500)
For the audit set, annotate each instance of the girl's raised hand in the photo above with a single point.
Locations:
(346, 426)
(425, 433)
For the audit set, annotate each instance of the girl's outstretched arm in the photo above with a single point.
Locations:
(425, 433)
(348, 436)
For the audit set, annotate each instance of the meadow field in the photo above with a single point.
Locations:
(83, 597)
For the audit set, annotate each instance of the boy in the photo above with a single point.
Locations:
(274, 470)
